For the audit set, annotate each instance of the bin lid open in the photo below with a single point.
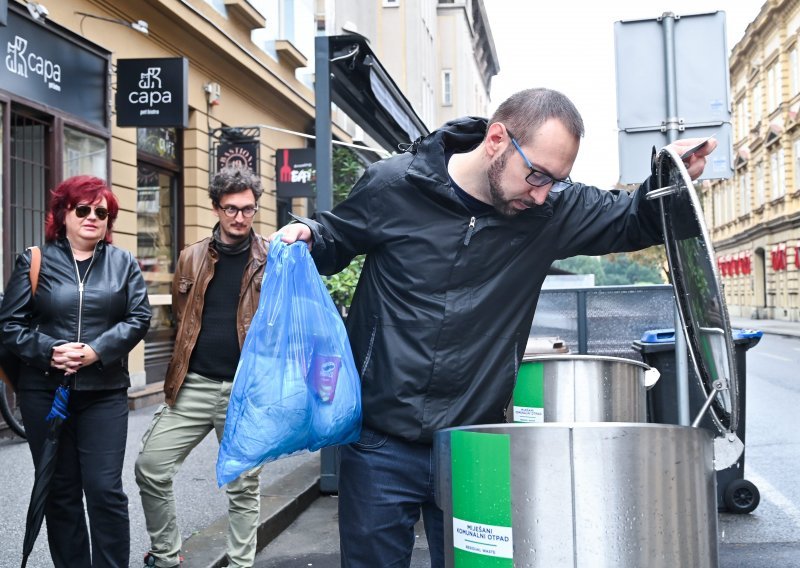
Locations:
(698, 292)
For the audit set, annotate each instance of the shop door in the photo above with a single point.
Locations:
(156, 252)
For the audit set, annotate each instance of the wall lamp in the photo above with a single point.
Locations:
(139, 25)
(37, 11)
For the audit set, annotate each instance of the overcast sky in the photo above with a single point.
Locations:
(568, 45)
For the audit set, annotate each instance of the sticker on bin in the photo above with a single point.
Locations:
(486, 540)
(528, 414)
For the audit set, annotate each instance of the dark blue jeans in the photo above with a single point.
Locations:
(91, 451)
(384, 483)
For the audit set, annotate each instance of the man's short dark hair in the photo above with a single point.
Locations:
(234, 180)
(524, 112)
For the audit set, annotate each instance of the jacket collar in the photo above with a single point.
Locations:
(456, 136)
(63, 243)
(258, 246)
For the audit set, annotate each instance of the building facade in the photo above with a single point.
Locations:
(74, 98)
(754, 217)
(440, 52)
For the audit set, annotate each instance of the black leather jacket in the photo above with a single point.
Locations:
(110, 312)
(444, 305)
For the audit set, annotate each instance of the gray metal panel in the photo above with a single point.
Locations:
(635, 149)
(641, 85)
(702, 82)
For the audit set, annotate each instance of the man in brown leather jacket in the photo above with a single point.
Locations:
(215, 294)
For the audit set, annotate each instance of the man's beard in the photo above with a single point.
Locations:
(499, 202)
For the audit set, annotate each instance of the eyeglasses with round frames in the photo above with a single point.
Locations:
(82, 211)
(246, 212)
(538, 178)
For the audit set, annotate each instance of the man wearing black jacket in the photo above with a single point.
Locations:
(459, 232)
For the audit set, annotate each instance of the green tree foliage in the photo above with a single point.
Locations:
(621, 268)
(346, 171)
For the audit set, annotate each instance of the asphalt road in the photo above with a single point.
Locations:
(767, 538)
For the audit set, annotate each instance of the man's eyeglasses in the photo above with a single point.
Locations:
(246, 212)
(83, 210)
(538, 178)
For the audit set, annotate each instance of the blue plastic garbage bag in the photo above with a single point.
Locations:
(296, 386)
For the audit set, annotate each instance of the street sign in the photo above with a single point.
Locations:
(672, 82)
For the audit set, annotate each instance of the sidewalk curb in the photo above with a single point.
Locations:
(768, 327)
(281, 503)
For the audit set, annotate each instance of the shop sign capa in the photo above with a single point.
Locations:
(22, 62)
(153, 92)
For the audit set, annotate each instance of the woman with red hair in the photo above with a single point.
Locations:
(89, 311)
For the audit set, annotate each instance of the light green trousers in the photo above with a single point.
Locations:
(200, 407)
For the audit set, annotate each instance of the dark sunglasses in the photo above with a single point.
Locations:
(83, 210)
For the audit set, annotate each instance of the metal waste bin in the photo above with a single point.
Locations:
(657, 347)
(592, 494)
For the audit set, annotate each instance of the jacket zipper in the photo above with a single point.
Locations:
(470, 229)
(80, 299)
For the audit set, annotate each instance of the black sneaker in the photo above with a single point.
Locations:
(150, 561)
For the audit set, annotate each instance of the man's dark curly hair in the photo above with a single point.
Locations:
(234, 180)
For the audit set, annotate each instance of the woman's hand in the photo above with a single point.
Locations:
(70, 357)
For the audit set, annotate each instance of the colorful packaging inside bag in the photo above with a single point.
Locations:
(296, 386)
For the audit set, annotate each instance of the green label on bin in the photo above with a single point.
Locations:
(529, 393)
(481, 471)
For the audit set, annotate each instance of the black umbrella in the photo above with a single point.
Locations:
(44, 471)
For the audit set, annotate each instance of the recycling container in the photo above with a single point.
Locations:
(580, 388)
(583, 495)
(657, 347)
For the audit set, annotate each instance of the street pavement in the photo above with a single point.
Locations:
(299, 524)
(202, 507)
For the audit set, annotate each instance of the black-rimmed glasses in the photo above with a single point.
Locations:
(246, 212)
(83, 210)
(538, 178)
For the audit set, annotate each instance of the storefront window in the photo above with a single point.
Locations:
(84, 154)
(156, 227)
(157, 207)
(158, 142)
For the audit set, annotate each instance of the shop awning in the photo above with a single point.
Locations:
(349, 75)
(365, 91)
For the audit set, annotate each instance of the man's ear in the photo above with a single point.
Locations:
(497, 139)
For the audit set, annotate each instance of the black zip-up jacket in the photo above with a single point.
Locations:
(109, 311)
(444, 305)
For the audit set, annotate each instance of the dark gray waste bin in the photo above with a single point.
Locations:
(329, 470)
(657, 347)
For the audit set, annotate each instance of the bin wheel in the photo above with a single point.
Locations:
(741, 497)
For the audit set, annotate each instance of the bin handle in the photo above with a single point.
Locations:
(718, 386)
(651, 377)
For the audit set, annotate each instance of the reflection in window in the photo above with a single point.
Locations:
(776, 160)
(744, 191)
(760, 196)
(158, 142)
(796, 149)
(84, 154)
(155, 210)
(773, 86)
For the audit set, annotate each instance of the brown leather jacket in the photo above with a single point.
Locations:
(194, 272)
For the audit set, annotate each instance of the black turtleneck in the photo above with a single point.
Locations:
(216, 353)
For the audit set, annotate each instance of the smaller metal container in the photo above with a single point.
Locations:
(580, 388)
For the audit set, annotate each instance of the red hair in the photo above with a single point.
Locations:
(68, 194)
